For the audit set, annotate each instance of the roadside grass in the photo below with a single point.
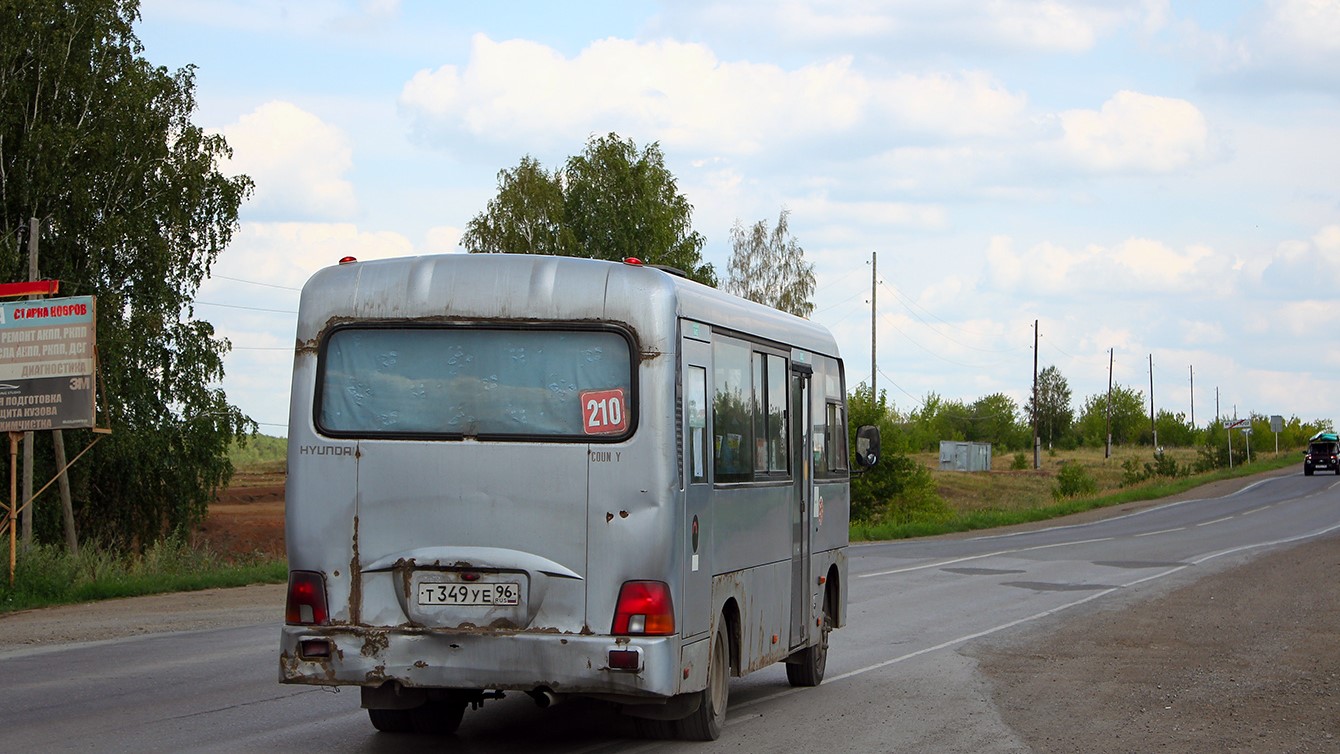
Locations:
(47, 575)
(1005, 497)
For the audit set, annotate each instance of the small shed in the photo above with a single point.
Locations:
(965, 456)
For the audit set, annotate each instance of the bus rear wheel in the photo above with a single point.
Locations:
(705, 722)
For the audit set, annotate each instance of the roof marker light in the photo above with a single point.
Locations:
(348, 260)
(632, 261)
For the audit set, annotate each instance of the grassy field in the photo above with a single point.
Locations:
(1006, 496)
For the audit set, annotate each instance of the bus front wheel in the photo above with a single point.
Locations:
(806, 667)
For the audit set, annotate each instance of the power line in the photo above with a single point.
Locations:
(938, 356)
(903, 300)
(251, 308)
(908, 303)
(254, 282)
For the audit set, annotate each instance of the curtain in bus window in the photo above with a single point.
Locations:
(769, 409)
(696, 413)
(462, 382)
(732, 411)
(778, 450)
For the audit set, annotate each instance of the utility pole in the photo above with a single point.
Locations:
(1111, 356)
(34, 233)
(1192, 369)
(1216, 402)
(1152, 426)
(1037, 449)
(873, 369)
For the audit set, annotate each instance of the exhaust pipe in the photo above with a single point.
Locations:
(544, 698)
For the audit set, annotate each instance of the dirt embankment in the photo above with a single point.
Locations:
(247, 518)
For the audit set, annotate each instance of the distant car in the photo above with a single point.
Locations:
(1322, 453)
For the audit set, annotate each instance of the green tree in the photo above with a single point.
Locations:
(994, 419)
(1130, 423)
(98, 144)
(897, 489)
(768, 266)
(1055, 416)
(526, 217)
(610, 202)
(1175, 431)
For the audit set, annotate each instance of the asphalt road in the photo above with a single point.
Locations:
(897, 679)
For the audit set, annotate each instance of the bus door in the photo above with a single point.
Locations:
(696, 366)
(801, 462)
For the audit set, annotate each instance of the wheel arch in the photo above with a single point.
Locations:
(833, 602)
(730, 623)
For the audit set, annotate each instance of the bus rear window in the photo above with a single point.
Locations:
(456, 382)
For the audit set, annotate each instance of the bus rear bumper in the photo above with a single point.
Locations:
(440, 659)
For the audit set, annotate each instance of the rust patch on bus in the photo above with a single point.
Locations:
(355, 582)
(374, 643)
(294, 668)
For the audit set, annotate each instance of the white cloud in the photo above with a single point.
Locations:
(1302, 269)
(1136, 132)
(1305, 31)
(1045, 267)
(442, 239)
(1049, 26)
(1202, 333)
(297, 161)
(288, 253)
(969, 104)
(1159, 267)
(676, 93)
(1135, 267)
(1284, 45)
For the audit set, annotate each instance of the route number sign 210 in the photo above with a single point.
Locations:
(604, 412)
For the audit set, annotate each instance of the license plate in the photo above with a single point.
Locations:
(473, 594)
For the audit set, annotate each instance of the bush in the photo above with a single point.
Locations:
(1020, 462)
(1073, 480)
(1163, 466)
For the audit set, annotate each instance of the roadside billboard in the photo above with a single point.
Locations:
(47, 364)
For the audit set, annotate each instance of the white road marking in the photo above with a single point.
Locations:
(1160, 531)
(943, 563)
(1036, 616)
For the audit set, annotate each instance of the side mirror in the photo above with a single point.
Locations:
(867, 446)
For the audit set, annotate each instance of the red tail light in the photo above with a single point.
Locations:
(645, 609)
(306, 599)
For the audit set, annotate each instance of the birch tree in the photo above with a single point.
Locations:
(768, 266)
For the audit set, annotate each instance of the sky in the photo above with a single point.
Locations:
(1152, 182)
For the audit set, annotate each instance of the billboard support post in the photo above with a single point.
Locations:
(13, 517)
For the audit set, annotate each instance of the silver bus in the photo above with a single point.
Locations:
(559, 476)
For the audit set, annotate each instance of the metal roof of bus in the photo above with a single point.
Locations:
(536, 287)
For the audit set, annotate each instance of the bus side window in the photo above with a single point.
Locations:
(696, 413)
(837, 438)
